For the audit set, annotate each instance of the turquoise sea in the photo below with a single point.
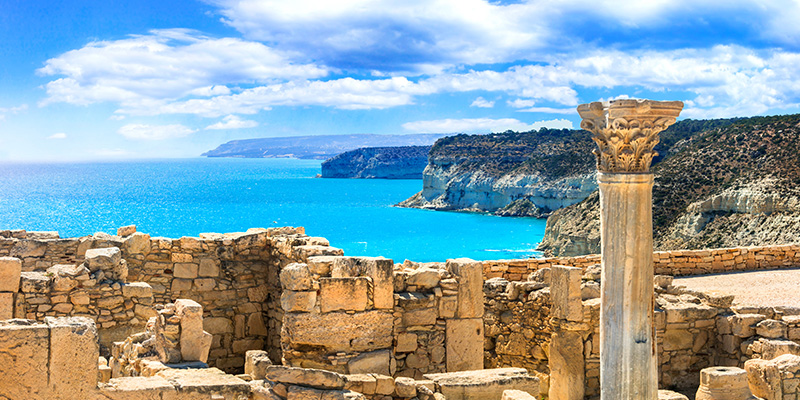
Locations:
(185, 197)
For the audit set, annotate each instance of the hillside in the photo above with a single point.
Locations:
(320, 147)
(731, 184)
(520, 174)
(405, 162)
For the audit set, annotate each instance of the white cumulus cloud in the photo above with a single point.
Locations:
(482, 103)
(481, 125)
(233, 122)
(59, 135)
(154, 132)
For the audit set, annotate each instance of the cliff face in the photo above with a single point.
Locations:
(515, 174)
(378, 162)
(735, 184)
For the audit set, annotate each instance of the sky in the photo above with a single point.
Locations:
(125, 79)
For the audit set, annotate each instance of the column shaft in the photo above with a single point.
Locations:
(628, 362)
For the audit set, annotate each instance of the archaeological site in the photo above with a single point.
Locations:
(275, 314)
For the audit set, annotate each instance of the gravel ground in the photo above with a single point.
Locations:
(758, 288)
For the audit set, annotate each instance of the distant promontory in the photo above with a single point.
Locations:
(404, 162)
(319, 147)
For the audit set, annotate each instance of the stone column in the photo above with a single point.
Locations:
(626, 131)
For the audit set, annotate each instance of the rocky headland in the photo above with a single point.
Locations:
(404, 162)
(732, 183)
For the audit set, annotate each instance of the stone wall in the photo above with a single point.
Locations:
(676, 263)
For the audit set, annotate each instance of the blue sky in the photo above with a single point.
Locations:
(85, 80)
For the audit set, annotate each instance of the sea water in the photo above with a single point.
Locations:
(186, 197)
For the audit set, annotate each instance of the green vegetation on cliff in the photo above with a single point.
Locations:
(722, 183)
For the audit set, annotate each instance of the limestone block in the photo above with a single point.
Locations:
(484, 384)
(590, 290)
(6, 305)
(361, 383)
(255, 325)
(205, 285)
(104, 373)
(137, 243)
(773, 329)
(304, 393)
(259, 391)
(464, 343)
(684, 312)
(423, 278)
(406, 343)
(298, 301)
(34, 282)
(763, 378)
(194, 342)
(256, 363)
(10, 269)
(126, 230)
(373, 362)
(339, 331)
(513, 394)
(217, 325)
(24, 349)
(448, 306)
(296, 276)
(470, 287)
(723, 383)
(315, 378)
(677, 339)
(185, 270)
(139, 388)
(565, 291)
(380, 270)
(321, 265)
(208, 268)
(343, 294)
(199, 383)
(420, 316)
(772, 348)
(383, 384)
(103, 259)
(566, 363)
(137, 289)
(73, 356)
(405, 387)
(743, 325)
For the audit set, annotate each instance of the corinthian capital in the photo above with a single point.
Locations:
(626, 131)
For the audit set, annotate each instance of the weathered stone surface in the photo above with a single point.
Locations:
(361, 383)
(420, 316)
(677, 339)
(217, 325)
(772, 348)
(185, 270)
(743, 325)
(343, 294)
(464, 343)
(513, 394)
(103, 259)
(260, 391)
(723, 383)
(384, 384)
(34, 282)
(380, 269)
(126, 230)
(406, 342)
(566, 363)
(298, 301)
(139, 388)
(137, 289)
(565, 290)
(256, 363)
(199, 383)
(405, 387)
(305, 376)
(321, 265)
(423, 278)
(773, 329)
(484, 384)
(6, 305)
(304, 393)
(10, 269)
(73, 356)
(208, 268)
(373, 362)
(137, 243)
(194, 342)
(335, 331)
(24, 344)
(296, 276)
(470, 287)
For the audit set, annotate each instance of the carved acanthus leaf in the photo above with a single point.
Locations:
(626, 131)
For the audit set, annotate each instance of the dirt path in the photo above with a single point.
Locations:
(758, 288)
